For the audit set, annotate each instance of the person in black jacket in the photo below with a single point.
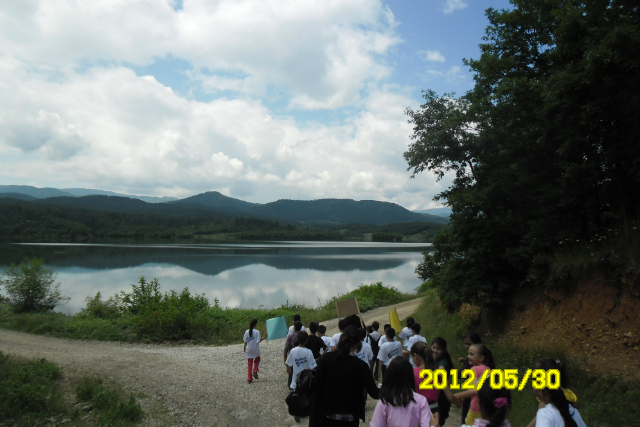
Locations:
(338, 384)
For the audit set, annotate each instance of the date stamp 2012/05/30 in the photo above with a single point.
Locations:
(498, 378)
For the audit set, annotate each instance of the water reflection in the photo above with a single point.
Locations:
(240, 275)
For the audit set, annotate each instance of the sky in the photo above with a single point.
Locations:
(260, 100)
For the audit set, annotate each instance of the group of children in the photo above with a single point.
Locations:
(399, 363)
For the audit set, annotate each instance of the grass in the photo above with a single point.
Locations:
(113, 406)
(175, 319)
(602, 401)
(31, 393)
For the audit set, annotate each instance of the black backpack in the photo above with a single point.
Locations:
(375, 346)
(299, 399)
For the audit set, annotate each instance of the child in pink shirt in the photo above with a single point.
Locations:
(399, 404)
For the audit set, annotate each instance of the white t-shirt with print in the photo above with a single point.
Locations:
(388, 351)
(416, 338)
(299, 359)
(292, 331)
(384, 340)
(366, 353)
(253, 344)
(327, 341)
(405, 335)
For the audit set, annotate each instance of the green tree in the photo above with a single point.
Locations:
(32, 287)
(542, 150)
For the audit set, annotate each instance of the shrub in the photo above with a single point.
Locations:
(98, 309)
(31, 287)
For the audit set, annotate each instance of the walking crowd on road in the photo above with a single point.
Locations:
(330, 379)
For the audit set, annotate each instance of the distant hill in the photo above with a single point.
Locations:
(43, 193)
(79, 192)
(125, 204)
(18, 196)
(38, 193)
(216, 200)
(339, 211)
(214, 204)
(443, 212)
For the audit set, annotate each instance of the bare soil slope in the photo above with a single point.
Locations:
(598, 323)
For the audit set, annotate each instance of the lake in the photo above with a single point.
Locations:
(247, 275)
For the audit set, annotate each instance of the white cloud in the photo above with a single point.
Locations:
(452, 75)
(321, 53)
(451, 6)
(431, 55)
(73, 112)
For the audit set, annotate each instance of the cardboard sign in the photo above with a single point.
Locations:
(277, 328)
(394, 321)
(347, 307)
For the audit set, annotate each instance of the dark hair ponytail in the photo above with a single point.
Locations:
(557, 396)
(495, 404)
(474, 338)
(488, 355)
(424, 351)
(398, 384)
(547, 363)
(350, 337)
(440, 342)
(562, 404)
(410, 321)
(252, 325)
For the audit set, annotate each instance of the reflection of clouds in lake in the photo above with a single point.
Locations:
(249, 286)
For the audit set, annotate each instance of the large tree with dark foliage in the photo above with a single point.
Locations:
(545, 148)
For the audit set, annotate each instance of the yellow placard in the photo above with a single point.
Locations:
(394, 321)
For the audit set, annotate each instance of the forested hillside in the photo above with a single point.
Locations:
(24, 221)
(544, 150)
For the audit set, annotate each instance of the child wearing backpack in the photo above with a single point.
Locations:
(299, 359)
(373, 338)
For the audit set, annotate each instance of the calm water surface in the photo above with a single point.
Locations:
(239, 275)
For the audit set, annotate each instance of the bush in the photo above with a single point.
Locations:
(159, 316)
(31, 287)
(98, 309)
(372, 296)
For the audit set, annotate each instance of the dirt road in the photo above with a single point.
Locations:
(186, 385)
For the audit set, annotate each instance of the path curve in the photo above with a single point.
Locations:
(198, 385)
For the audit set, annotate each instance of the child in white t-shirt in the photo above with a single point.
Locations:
(383, 339)
(389, 350)
(366, 353)
(252, 349)
(299, 359)
(406, 333)
(415, 328)
(296, 318)
(336, 337)
(322, 330)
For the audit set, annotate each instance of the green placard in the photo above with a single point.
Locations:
(277, 328)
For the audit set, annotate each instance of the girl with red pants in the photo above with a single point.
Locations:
(252, 349)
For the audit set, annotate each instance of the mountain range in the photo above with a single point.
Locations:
(212, 203)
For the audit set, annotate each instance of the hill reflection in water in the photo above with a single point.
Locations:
(239, 275)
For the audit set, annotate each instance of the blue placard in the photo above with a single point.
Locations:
(277, 328)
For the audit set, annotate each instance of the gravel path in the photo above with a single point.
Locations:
(197, 385)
